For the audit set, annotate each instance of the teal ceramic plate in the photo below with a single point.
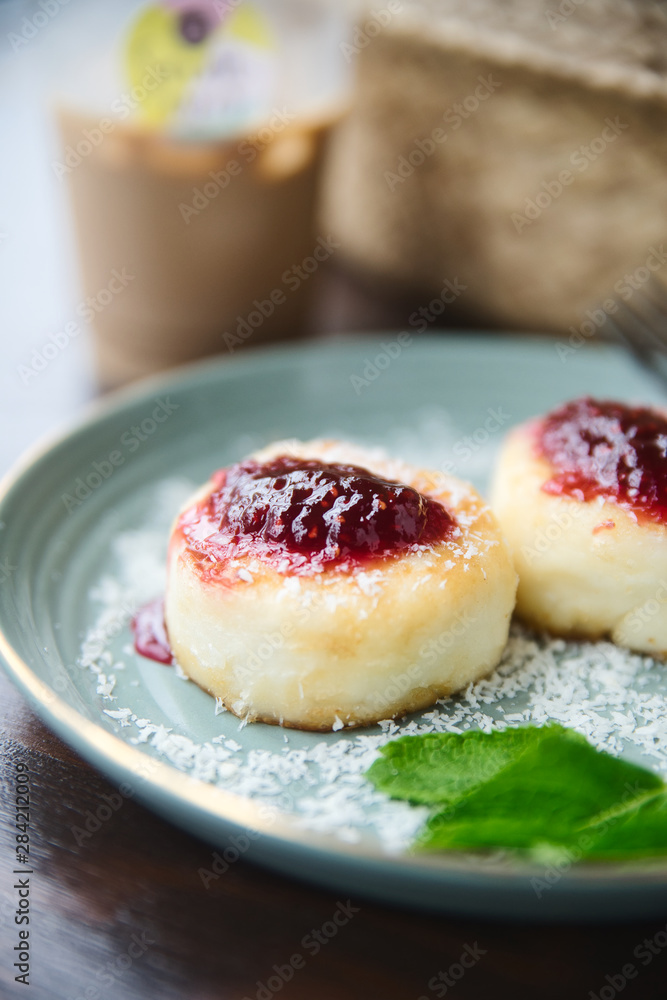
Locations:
(84, 527)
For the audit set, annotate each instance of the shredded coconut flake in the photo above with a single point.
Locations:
(617, 699)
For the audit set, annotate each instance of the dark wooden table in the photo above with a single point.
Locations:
(125, 914)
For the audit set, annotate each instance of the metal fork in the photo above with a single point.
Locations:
(640, 325)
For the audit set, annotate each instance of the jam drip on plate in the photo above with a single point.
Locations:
(150, 632)
(305, 515)
(609, 450)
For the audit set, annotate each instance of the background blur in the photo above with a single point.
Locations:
(206, 177)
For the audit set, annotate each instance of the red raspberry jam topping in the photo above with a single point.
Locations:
(609, 450)
(304, 516)
(150, 633)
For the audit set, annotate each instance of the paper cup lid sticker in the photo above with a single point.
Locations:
(212, 66)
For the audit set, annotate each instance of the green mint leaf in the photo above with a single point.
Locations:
(547, 795)
(442, 767)
(528, 788)
(640, 830)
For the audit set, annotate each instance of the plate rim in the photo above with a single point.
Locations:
(108, 753)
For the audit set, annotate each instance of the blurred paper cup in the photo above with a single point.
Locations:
(192, 134)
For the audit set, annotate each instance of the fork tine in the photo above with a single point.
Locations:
(650, 321)
(657, 290)
(635, 333)
(625, 330)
